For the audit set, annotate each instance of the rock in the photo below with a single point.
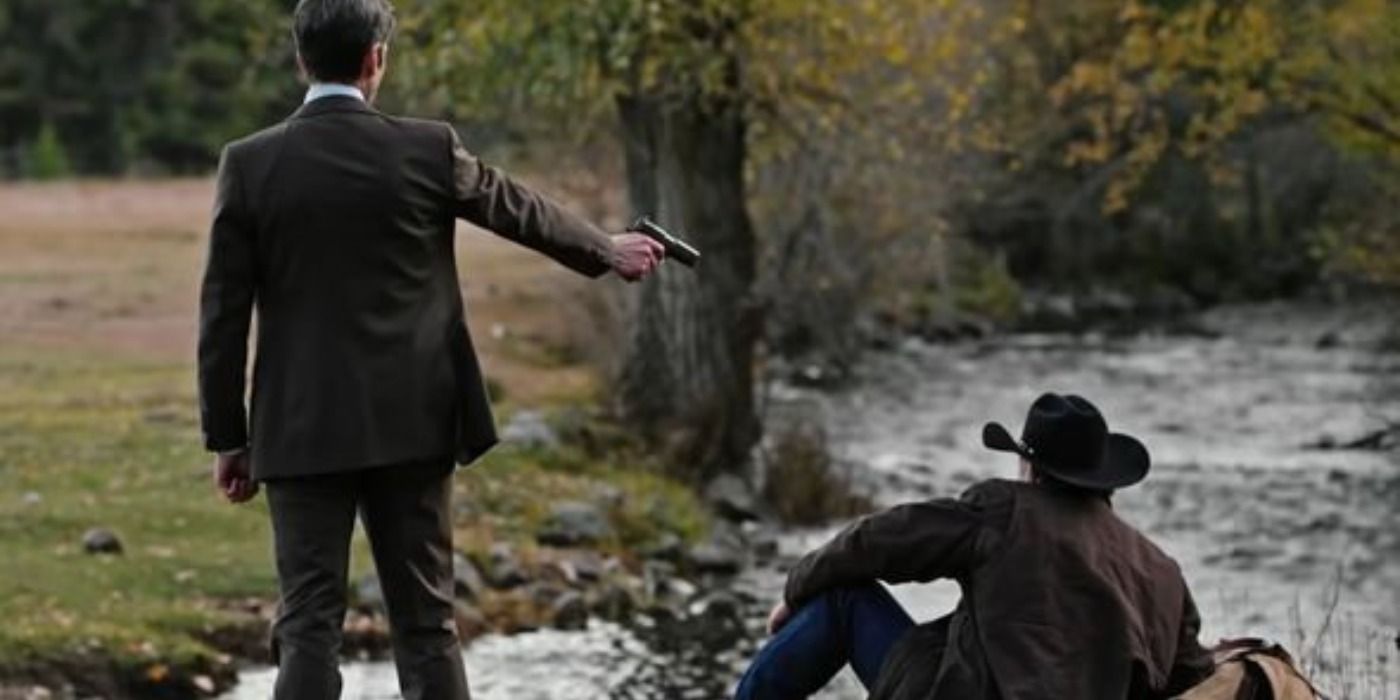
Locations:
(662, 583)
(1107, 303)
(609, 496)
(677, 588)
(732, 498)
(1167, 301)
(506, 571)
(1050, 312)
(720, 607)
(763, 542)
(530, 429)
(101, 540)
(715, 558)
(572, 523)
(203, 684)
(470, 622)
(569, 612)
(614, 602)
(467, 579)
(368, 593)
(585, 566)
(545, 594)
(668, 547)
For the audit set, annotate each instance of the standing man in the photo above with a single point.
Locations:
(337, 226)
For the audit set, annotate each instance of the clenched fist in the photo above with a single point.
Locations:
(635, 256)
(233, 477)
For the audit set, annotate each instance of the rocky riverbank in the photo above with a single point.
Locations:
(559, 529)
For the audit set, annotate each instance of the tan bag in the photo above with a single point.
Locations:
(1253, 669)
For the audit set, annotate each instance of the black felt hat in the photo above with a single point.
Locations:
(1067, 438)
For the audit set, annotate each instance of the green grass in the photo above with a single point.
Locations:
(89, 440)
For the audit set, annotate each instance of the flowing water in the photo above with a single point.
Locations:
(1282, 528)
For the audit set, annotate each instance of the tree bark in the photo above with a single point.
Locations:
(688, 375)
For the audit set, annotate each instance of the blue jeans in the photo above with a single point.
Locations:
(847, 625)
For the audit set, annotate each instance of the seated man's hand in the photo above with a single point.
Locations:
(778, 617)
(635, 256)
(233, 476)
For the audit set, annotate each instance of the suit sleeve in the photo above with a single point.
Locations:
(492, 200)
(225, 312)
(913, 542)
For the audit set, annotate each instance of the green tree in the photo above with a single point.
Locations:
(1236, 64)
(48, 160)
(698, 89)
(156, 84)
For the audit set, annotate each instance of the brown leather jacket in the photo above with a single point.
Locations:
(1061, 598)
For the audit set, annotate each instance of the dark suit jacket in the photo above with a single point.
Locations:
(1061, 598)
(337, 226)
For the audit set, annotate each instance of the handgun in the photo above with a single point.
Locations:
(676, 249)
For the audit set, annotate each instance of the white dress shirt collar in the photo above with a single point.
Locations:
(319, 90)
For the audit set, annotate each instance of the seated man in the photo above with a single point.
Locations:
(1061, 598)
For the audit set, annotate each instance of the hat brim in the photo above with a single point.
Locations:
(1124, 462)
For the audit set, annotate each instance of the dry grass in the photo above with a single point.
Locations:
(115, 266)
(1346, 659)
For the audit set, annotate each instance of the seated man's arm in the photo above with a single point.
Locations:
(490, 199)
(1193, 663)
(913, 542)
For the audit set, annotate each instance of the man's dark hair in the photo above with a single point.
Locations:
(333, 35)
(1046, 479)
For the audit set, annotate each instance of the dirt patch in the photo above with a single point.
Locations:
(116, 266)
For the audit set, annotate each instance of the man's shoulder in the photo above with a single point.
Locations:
(990, 491)
(257, 140)
(417, 128)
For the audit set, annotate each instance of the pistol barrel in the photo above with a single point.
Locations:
(676, 249)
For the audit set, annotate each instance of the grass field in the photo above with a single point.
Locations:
(98, 428)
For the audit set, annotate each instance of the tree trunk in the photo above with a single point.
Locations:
(688, 375)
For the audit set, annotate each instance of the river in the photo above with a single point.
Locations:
(1283, 528)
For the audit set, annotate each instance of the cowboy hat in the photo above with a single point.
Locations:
(1067, 438)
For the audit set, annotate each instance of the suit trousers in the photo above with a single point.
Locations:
(406, 511)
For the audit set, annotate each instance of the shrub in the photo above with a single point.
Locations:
(804, 485)
(48, 160)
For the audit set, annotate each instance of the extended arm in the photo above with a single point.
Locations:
(490, 199)
(913, 542)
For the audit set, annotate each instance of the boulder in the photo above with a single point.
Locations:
(470, 622)
(573, 523)
(368, 593)
(720, 607)
(101, 540)
(506, 571)
(569, 612)
(581, 567)
(732, 498)
(609, 496)
(544, 594)
(614, 602)
(467, 579)
(530, 429)
(668, 547)
(715, 557)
